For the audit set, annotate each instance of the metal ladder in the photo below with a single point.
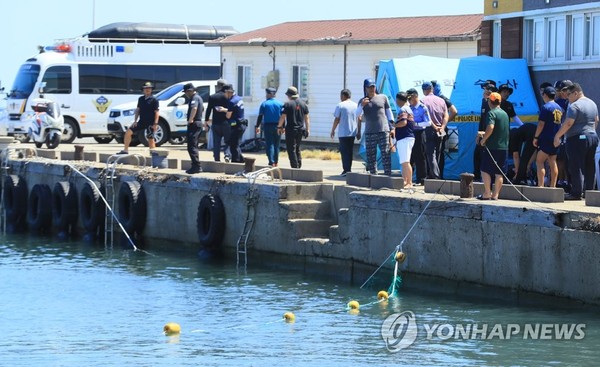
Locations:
(109, 187)
(251, 200)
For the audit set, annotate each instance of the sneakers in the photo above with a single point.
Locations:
(227, 159)
(193, 170)
(344, 173)
(123, 152)
(572, 197)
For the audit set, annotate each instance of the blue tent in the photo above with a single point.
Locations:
(467, 95)
(460, 81)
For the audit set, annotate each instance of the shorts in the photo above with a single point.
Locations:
(487, 162)
(148, 131)
(404, 149)
(547, 146)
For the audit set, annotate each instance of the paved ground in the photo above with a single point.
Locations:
(331, 171)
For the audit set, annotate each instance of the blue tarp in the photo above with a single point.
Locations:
(461, 81)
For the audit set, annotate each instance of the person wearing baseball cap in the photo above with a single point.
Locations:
(494, 141)
(489, 86)
(145, 119)
(268, 115)
(194, 126)
(295, 122)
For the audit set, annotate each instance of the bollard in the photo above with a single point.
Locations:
(466, 185)
(78, 153)
(249, 164)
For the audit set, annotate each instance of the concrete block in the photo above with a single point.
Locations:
(510, 192)
(173, 163)
(478, 188)
(379, 181)
(358, 179)
(396, 183)
(286, 173)
(334, 234)
(48, 153)
(233, 168)
(544, 194)
(90, 156)
(103, 157)
(592, 198)
(433, 186)
(186, 164)
(67, 156)
(212, 166)
(455, 187)
(305, 175)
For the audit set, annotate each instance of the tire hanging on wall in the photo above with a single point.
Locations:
(15, 200)
(210, 222)
(39, 208)
(91, 207)
(64, 206)
(131, 202)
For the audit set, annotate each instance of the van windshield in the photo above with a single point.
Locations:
(166, 94)
(25, 81)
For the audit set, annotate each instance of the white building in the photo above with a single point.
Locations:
(322, 57)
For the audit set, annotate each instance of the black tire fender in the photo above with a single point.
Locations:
(15, 199)
(210, 221)
(39, 208)
(131, 204)
(91, 207)
(64, 205)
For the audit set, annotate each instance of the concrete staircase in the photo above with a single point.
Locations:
(309, 214)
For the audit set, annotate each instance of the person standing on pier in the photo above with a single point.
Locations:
(345, 121)
(494, 144)
(270, 112)
(237, 123)
(377, 116)
(220, 129)
(194, 125)
(147, 111)
(295, 122)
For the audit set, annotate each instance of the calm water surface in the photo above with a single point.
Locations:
(74, 304)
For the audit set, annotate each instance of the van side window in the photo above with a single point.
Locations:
(58, 80)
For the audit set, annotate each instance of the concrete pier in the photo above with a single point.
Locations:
(509, 244)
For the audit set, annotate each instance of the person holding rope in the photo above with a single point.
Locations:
(494, 143)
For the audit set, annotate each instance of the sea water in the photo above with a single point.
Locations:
(76, 304)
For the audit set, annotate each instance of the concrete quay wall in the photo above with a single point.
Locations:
(463, 241)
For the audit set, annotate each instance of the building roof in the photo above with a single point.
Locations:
(376, 30)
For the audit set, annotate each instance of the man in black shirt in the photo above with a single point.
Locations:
(296, 123)
(217, 106)
(147, 111)
(194, 126)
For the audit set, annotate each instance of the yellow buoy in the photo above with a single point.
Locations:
(400, 256)
(289, 317)
(353, 305)
(354, 312)
(383, 295)
(172, 328)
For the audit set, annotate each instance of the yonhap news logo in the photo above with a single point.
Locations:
(400, 330)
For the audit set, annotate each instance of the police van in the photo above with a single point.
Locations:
(88, 75)
(172, 121)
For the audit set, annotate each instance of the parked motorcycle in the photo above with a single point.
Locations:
(46, 123)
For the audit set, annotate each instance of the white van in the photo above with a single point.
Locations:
(172, 123)
(89, 75)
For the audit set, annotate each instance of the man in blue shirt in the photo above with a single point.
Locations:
(237, 122)
(269, 114)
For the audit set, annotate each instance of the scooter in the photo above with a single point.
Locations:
(46, 123)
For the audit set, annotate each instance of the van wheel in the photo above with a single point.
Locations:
(178, 140)
(70, 131)
(103, 140)
(162, 134)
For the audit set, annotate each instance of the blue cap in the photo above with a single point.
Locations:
(426, 85)
(550, 91)
(368, 83)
